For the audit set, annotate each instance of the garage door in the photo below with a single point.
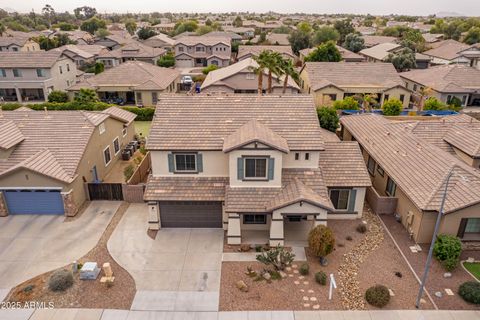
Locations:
(27, 201)
(191, 214)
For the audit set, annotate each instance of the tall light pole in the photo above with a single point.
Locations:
(434, 237)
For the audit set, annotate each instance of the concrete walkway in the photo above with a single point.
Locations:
(178, 271)
(99, 314)
(33, 244)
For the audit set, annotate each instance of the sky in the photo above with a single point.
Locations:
(375, 7)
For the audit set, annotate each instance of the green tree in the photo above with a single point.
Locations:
(85, 96)
(433, 103)
(99, 67)
(208, 69)
(368, 100)
(2, 29)
(326, 52)
(299, 40)
(344, 27)
(145, 33)
(49, 14)
(288, 69)
(65, 26)
(324, 34)
(204, 30)
(58, 96)
(166, 61)
(473, 36)
(447, 250)
(391, 32)
(238, 22)
(392, 107)
(354, 42)
(85, 12)
(321, 239)
(131, 26)
(348, 103)
(304, 27)
(328, 118)
(102, 33)
(186, 26)
(262, 62)
(92, 25)
(414, 40)
(402, 60)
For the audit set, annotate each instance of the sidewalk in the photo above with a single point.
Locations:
(99, 314)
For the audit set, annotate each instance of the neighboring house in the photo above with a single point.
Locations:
(81, 37)
(331, 81)
(134, 82)
(408, 176)
(133, 51)
(18, 43)
(431, 38)
(82, 54)
(278, 39)
(225, 34)
(371, 41)
(347, 55)
(380, 52)
(160, 41)
(164, 27)
(114, 40)
(446, 82)
(240, 162)
(246, 51)
(202, 51)
(31, 76)
(46, 157)
(240, 78)
(366, 31)
(246, 33)
(451, 51)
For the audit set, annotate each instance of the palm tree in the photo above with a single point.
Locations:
(274, 64)
(262, 61)
(368, 100)
(425, 93)
(288, 69)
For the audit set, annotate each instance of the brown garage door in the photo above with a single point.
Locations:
(191, 214)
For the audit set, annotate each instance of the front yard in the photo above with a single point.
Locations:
(473, 268)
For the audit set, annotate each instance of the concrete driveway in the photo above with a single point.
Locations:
(33, 244)
(179, 270)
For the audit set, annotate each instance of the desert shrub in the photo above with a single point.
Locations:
(304, 269)
(60, 280)
(321, 278)
(166, 61)
(277, 257)
(392, 107)
(362, 228)
(208, 69)
(349, 103)
(128, 172)
(321, 240)
(433, 103)
(377, 296)
(447, 250)
(57, 96)
(470, 291)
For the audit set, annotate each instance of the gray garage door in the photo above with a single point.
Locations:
(191, 214)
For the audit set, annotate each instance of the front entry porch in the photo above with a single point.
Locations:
(23, 95)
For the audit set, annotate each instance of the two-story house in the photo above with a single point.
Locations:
(202, 51)
(31, 76)
(82, 54)
(133, 51)
(252, 165)
(46, 157)
(18, 43)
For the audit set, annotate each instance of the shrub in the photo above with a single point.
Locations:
(58, 96)
(470, 291)
(167, 61)
(304, 269)
(377, 296)
(328, 118)
(277, 257)
(433, 103)
(447, 250)
(362, 228)
(207, 70)
(321, 278)
(128, 172)
(349, 103)
(86, 96)
(60, 280)
(455, 104)
(392, 107)
(321, 240)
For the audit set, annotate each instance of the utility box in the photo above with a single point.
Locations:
(89, 271)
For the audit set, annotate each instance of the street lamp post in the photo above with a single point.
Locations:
(434, 237)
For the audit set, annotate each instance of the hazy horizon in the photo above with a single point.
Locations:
(375, 7)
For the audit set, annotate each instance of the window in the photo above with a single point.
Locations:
(297, 156)
(40, 73)
(107, 156)
(402, 98)
(464, 100)
(14, 49)
(154, 97)
(185, 162)
(386, 97)
(254, 219)
(124, 132)
(414, 87)
(391, 187)
(307, 156)
(180, 49)
(17, 73)
(340, 198)
(116, 146)
(3, 73)
(101, 128)
(380, 171)
(371, 166)
(449, 99)
(250, 76)
(60, 69)
(68, 67)
(473, 225)
(255, 168)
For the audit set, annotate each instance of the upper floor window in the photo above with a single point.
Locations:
(186, 162)
(14, 49)
(402, 98)
(3, 73)
(68, 67)
(414, 87)
(297, 156)
(60, 69)
(124, 132)
(307, 156)
(255, 168)
(40, 73)
(250, 76)
(116, 146)
(180, 49)
(107, 157)
(101, 128)
(17, 73)
(391, 187)
(254, 219)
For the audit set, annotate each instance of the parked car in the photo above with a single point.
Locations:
(186, 80)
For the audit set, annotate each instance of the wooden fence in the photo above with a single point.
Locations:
(133, 193)
(142, 171)
(105, 191)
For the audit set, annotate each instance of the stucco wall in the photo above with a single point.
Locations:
(277, 177)
(215, 164)
(290, 162)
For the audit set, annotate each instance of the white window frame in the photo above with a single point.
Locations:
(104, 158)
(340, 190)
(124, 132)
(184, 154)
(118, 142)
(101, 128)
(245, 168)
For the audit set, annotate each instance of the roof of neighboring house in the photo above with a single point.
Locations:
(85, 51)
(278, 39)
(446, 78)
(205, 40)
(203, 122)
(245, 50)
(467, 139)
(229, 34)
(217, 77)
(185, 188)
(380, 51)
(238, 29)
(347, 55)
(418, 168)
(120, 37)
(133, 49)
(50, 143)
(352, 74)
(371, 41)
(160, 37)
(136, 74)
(19, 40)
(121, 114)
(432, 37)
(29, 59)
(447, 49)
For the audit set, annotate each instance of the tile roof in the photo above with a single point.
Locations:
(254, 131)
(352, 74)
(246, 51)
(446, 78)
(347, 55)
(371, 41)
(19, 40)
(418, 168)
(205, 40)
(86, 51)
(380, 51)
(133, 49)
(10, 135)
(160, 37)
(447, 49)
(228, 34)
(121, 114)
(29, 59)
(465, 138)
(185, 188)
(278, 39)
(134, 74)
(202, 122)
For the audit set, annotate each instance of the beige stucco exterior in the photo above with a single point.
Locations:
(28, 46)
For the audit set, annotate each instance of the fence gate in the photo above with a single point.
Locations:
(105, 191)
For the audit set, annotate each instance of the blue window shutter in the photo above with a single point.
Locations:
(351, 202)
(271, 168)
(171, 165)
(240, 168)
(199, 162)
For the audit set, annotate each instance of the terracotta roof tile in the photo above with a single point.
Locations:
(185, 188)
(10, 135)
